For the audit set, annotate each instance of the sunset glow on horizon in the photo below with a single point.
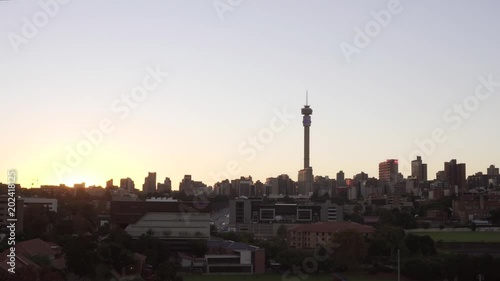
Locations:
(109, 90)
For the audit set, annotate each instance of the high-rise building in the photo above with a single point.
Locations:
(109, 183)
(340, 178)
(419, 170)
(243, 186)
(455, 175)
(492, 171)
(323, 185)
(361, 177)
(441, 176)
(388, 171)
(166, 186)
(191, 187)
(259, 189)
(223, 188)
(149, 185)
(273, 185)
(127, 184)
(286, 185)
(305, 183)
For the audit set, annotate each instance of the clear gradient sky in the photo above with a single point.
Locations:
(227, 78)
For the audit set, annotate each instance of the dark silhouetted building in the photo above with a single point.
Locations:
(191, 187)
(388, 171)
(127, 184)
(149, 185)
(109, 184)
(419, 170)
(166, 186)
(492, 171)
(243, 186)
(455, 175)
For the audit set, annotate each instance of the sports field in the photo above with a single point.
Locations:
(466, 236)
(278, 277)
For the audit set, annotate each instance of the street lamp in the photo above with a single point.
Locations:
(399, 267)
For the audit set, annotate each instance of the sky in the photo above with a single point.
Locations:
(386, 79)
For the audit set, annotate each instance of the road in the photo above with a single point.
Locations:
(221, 219)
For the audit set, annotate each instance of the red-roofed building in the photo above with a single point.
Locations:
(34, 247)
(309, 236)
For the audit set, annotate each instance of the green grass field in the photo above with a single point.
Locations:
(278, 277)
(469, 236)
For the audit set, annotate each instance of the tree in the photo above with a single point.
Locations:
(412, 242)
(354, 218)
(273, 247)
(495, 216)
(282, 231)
(291, 257)
(422, 269)
(199, 247)
(156, 250)
(81, 256)
(166, 271)
(47, 274)
(473, 226)
(350, 249)
(420, 245)
(213, 230)
(35, 222)
(427, 245)
(116, 254)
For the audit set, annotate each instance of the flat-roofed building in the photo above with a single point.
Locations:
(263, 218)
(48, 203)
(167, 219)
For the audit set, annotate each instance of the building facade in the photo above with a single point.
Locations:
(312, 236)
(388, 171)
(263, 218)
(167, 219)
(149, 185)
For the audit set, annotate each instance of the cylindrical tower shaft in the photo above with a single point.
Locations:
(306, 147)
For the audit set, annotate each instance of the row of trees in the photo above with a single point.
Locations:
(89, 258)
(453, 268)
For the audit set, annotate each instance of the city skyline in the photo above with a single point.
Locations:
(154, 183)
(230, 80)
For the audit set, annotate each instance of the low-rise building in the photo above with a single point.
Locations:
(475, 206)
(166, 219)
(34, 247)
(225, 256)
(262, 218)
(310, 236)
(49, 204)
